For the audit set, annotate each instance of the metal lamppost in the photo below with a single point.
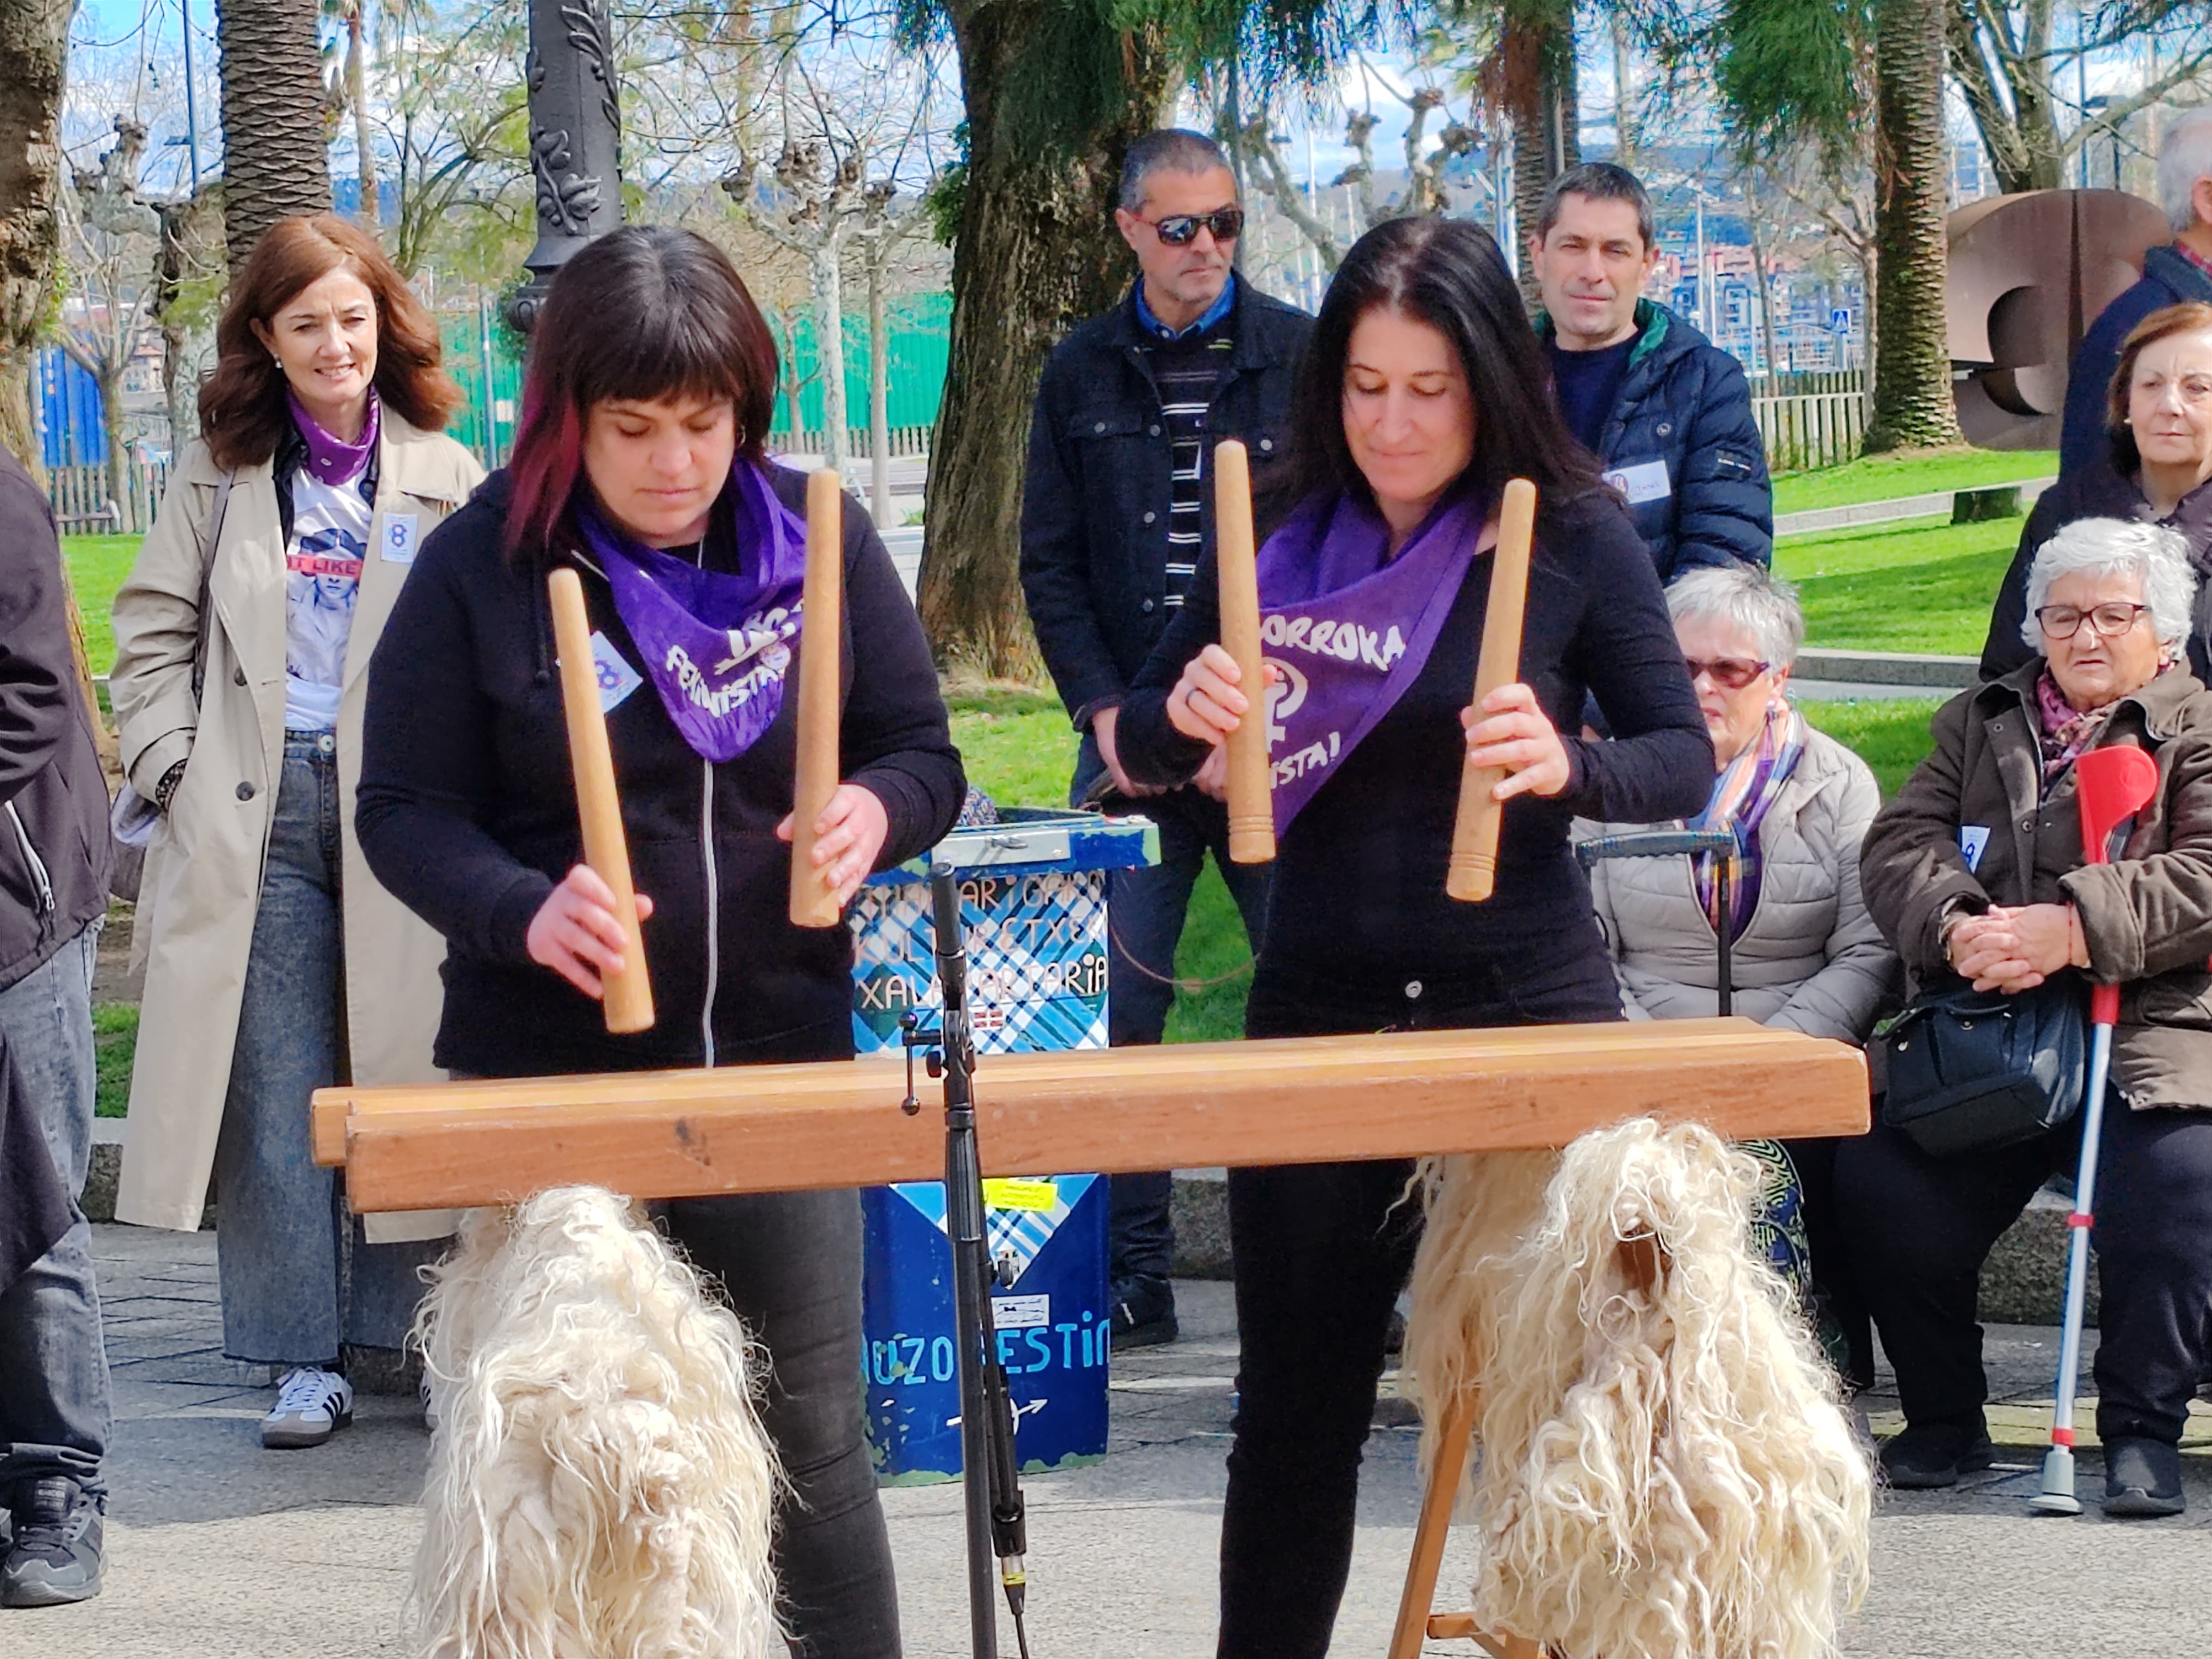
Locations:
(575, 140)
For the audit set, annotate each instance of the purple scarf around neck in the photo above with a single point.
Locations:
(331, 459)
(1350, 628)
(717, 645)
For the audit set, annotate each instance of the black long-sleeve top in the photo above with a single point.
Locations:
(467, 811)
(1358, 891)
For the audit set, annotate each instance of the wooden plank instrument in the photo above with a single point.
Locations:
(821, 606)
(763, 1129)
(1472, 871)
(628, 995)
(1251, 783)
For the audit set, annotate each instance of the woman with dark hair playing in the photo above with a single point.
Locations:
(640, 465)
(1422, 391)
(275, 964)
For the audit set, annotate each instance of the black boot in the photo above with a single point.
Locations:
(2142, 1478)
(1929, 1456)
(55, 1557)
(1143, 1312)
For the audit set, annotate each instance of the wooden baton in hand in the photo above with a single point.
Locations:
(1473, 873)
(1251, 783)
(628, 995)
(821, 609)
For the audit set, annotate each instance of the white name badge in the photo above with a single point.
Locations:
(398, 542)
(616, 678)
(1646, 481)
(1972, 838)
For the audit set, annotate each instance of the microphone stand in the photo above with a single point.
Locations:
(990, 1486)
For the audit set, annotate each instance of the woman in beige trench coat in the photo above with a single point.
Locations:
(275, 964)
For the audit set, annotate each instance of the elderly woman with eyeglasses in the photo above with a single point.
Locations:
(1975, 873)
(1805, 955)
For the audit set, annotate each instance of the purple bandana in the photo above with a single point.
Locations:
(716, 646)
(1350, 628)
(331, 459)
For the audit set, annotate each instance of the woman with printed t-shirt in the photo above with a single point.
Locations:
(640, 465)
(275, 964)
(1421, 393)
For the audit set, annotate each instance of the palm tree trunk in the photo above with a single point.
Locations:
(1035, 250)
(1546, 137)
(276, 161)
(34, 47)
(364, 138)
(1912, 399)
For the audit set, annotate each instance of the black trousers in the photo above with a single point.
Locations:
(1146, 909)
(1322, 1251)
(791, 1265)
(1919, 1229)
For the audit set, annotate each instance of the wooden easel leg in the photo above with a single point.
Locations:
(1429, 1533)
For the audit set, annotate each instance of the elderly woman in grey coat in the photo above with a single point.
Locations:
(1806, 955)
(1976, 873)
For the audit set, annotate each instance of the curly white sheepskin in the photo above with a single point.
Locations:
(1666, 1470)
(600, 1486)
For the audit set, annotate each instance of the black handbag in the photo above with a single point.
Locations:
(1973, 1070)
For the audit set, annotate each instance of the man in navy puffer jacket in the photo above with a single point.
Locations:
(1667, 412)
(2180, 271)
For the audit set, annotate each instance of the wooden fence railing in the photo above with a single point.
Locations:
(1823, 429)
(86, 507)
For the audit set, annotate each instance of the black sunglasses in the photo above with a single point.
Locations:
(1180, 230)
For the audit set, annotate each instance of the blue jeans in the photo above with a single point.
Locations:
(1145, 909)
(53, 1366)
(298, 1280)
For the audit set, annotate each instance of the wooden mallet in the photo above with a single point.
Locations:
(628, 995)
(813, 898)
(1473, 873)
(1251, 780)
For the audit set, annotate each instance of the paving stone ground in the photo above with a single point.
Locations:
(220, 1550)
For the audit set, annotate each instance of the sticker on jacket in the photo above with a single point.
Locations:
(1972, 838)
(618, 679)
(1646, 481)
(396, 544)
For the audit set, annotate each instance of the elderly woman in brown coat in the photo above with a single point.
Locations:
(1975, 872)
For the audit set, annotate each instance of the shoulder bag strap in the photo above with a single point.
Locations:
(208, 546)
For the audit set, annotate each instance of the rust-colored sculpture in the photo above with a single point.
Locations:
(2029, 274)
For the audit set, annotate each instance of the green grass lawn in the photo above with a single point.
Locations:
(1922, 586)
(98, 565)
(114, 1036)
(1883, 478)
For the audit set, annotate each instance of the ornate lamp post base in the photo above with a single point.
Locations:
(575, 141)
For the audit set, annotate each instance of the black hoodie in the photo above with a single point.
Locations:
(56, 854)
(467, 811)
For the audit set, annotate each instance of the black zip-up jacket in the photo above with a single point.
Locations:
(1685, 404)
(56, 854)
(1095, 508)
(2098, 489)
(1358, 894)
(467, 811)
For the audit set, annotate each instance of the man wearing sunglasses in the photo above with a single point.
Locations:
(1666, 412)
(1117, 510)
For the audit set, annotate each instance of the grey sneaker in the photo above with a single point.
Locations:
(55, 1555)
(312, 1404)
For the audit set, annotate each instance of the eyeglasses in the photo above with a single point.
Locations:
(2063, 622)
(1730, 673)
(1180, 230)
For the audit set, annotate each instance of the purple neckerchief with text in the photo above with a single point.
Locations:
(331, 459)
(717, 644)
(1350, 628)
